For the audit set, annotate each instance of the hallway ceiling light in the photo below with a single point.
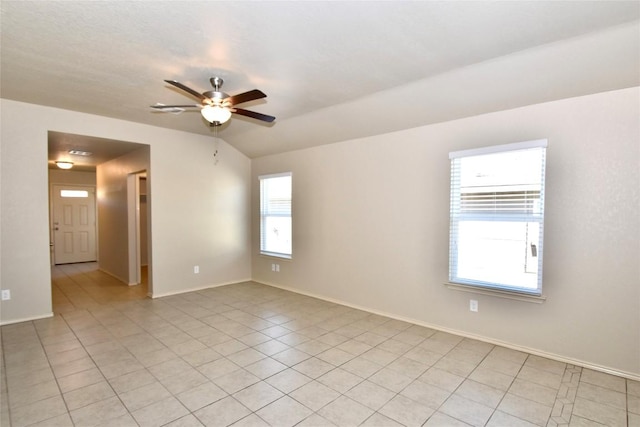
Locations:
(64, 164)
(80, 153)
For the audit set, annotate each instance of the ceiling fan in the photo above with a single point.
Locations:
(216, 106)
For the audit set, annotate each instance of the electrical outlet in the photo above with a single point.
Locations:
(196, 269)
(473, 305)
(277, 268)
(273, 267)
(6, 294)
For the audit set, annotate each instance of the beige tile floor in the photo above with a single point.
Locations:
(252, 355)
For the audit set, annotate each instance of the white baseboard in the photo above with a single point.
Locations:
(124, 281)
(26, 319)
(557, 357)
(200, 288)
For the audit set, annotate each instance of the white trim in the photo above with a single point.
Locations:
(200, 288)
(26, 319)
(514, 295)
(553, 356)
(499, 148)
(274, 175)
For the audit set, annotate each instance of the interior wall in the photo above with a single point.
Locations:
(199, 208)
(60, 176)
(112, 200)
(371, 228)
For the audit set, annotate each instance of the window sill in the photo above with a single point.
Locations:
(536, 299)
(274, 255)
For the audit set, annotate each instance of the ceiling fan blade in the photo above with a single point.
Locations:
(246, 97)
(253, 115)
(186, 89)
(162, 106)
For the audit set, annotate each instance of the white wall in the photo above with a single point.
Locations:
(371, 227)
(199, 209)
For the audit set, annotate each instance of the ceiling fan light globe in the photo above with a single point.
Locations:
(215, 113)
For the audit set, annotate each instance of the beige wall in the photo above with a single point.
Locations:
(113, 213)
(371, 227)
(216, 234)
(59, 176)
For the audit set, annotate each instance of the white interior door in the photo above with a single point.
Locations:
(74, 224)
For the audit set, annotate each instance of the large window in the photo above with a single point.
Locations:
(275, 215)
(497, 213)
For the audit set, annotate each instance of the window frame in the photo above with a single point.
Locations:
(263, 217)
(520, 216)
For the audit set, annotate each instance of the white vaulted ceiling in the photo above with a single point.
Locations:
(332, 70)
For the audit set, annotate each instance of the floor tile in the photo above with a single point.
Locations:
(532, 391)
(288, 380)
(284, 412)
(525, 409)
(21, 396)
(265, 368)
(379, 420)
(361, 367)
(160, 413)
(38, 411)
(544, 378)
(438, 419)
(390, 379)
(218, 368)
(246, 357)
(442, 379)
(370, 394)
(603, 414)
(174, 360)
(99, 412)
(183, 381)
(426, 394)
(466, 410)
(315, 420)
(187, 421)
(314, 395)
(480, 393)
(345, 412)
(236, 381)
(339, 380)
(201, 396)
(603, 380)
(258, 395)
(406, 411)
(144, 396)
(87, 395)
(251, 420)
(291, 356)
(313, 367)
(501, 419)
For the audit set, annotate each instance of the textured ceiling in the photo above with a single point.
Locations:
(332, 70)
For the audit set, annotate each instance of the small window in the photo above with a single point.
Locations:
(275, 215)
(497, 217)
(74, 193)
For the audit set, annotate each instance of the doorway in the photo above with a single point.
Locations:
(106, 164)
(73, 223)
(137, 211)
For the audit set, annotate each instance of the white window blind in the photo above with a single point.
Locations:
(497, 217)
(275, 215)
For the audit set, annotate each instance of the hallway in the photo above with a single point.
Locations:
(83, 286)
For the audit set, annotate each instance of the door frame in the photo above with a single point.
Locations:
(133, 222)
